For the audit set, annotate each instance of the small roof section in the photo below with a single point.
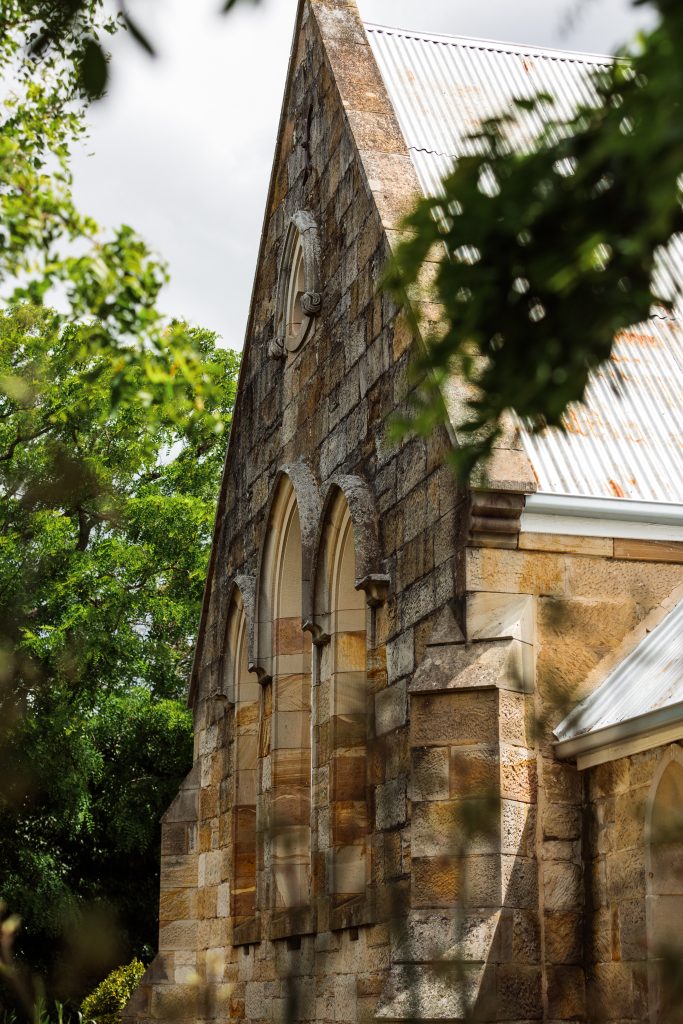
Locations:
(626, 441)
(642, 696)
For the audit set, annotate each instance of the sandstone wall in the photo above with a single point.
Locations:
(588, 594)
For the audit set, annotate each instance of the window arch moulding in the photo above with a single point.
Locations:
(241, 593)
(298, 298)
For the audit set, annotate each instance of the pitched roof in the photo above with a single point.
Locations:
(626, 441)
(645, 691)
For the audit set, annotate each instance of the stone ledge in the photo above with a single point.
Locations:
(286, 924)
(247, 933)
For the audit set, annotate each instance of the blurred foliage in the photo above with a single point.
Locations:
(105, 526)
(72, 31)
(104, 1005)
(111, 444)
(537, 254)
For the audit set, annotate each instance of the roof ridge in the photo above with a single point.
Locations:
(501, 45)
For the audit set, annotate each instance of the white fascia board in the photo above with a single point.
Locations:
(602, 517)
(653, 729)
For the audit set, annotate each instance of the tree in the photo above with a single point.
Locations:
(539, 257)
(111, 438)
(105, 527)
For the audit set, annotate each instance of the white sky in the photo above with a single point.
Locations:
(181, 148)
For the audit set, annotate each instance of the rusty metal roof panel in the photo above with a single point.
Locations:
(649, 679)
(626, 440)
(443, 87)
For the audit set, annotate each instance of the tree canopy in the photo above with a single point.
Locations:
(105, 527)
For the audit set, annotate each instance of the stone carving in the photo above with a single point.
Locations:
(299, 298)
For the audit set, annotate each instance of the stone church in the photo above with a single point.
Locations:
(438, 731)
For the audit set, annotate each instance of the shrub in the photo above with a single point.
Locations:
(104, 1005)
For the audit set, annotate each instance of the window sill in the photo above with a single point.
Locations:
(285, 924)
(247, 933)
(354, 911)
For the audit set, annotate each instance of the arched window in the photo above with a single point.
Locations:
(665, 891)
(294, 313)
(285, 740)
(342, 615)
(298, 299)
(245, 693)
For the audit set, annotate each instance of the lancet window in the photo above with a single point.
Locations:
(284, 826)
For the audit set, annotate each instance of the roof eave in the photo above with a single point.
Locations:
(643, 732)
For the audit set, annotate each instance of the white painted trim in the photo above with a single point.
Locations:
(602, 517)
(653, 729)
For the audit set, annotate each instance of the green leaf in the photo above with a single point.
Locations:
(138, 34)
(94, 71)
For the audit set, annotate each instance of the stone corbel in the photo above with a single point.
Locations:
(376, 587)
(495, 518)
(319, 636)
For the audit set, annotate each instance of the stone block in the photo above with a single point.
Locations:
(450, 827)
(566, 993)
(633, 928)
(435, 882)
(400, 656)
(519, 882)
(517, 828)
(457, 718)
(610, 992)
(517, 774)
(626, 874)
(474, 771)
(430, 777)
(518, 991)
(345, 995)
(562, 885)
(178, 935)
(174, 1002)
(391, 707)
(561, 821)
(390, 804)
(525, 937)
(177, 904)
(563, 936)
(515, 572)
(566, 544)
(179, 872)
(647, 584)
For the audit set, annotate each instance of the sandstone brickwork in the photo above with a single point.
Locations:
(376, 825)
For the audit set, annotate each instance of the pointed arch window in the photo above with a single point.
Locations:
(285, 742)
(342, 614)
(244, 689)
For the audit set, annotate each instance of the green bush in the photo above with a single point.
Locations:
(104, 1005)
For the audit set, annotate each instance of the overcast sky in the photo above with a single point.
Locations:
(181, 148)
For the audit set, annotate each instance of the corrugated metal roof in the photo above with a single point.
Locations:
(627, 439)
(648, 680)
